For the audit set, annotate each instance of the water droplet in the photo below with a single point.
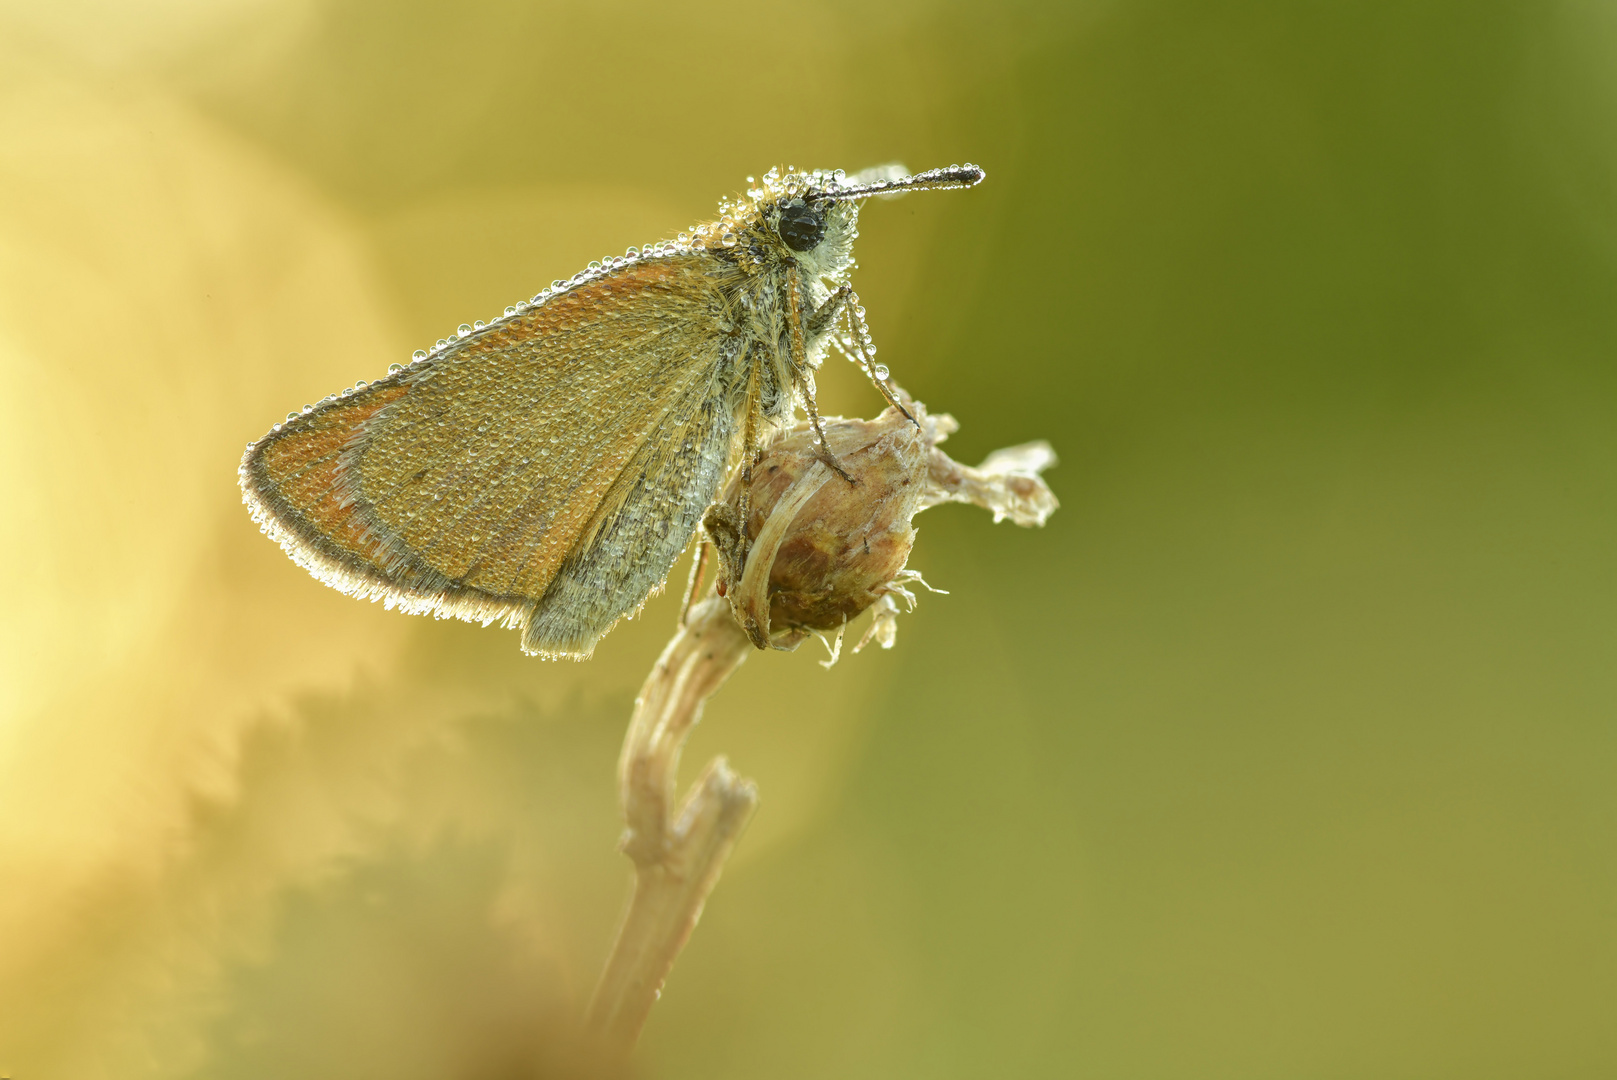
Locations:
(391, 368)
(881, 372)
(291, 416)
(728, 239)
(510, 311)
(464, 329)
(478, 325)
(595, 266)
(419, 354)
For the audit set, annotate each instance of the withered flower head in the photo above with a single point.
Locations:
(807, 538)
(815, 550)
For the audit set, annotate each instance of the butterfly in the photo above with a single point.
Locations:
(547, 469)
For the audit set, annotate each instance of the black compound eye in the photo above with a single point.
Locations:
(801, 226)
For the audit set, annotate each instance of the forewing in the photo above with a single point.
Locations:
(292, 482)
(461, 484)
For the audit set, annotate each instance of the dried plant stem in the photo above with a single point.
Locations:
(677, 854)
(823, 552)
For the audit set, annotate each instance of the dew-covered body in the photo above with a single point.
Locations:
(546, 470)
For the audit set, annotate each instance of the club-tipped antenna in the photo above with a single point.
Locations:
(954, 176)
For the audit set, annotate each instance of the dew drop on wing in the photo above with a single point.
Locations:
(419, 354)
(881, 372)
(463, 329)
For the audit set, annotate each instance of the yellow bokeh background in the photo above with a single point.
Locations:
(1286, 749)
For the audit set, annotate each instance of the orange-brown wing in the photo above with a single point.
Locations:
(589, 431)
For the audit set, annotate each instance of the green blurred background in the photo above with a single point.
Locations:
(1285, 750)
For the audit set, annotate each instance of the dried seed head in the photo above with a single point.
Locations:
(819, 550)
(815, 551)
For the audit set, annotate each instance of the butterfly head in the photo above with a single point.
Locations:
(813, 217)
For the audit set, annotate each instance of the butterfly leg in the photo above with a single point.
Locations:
(856, 344)
(800, 366)
(822, 449)
(824, 315)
